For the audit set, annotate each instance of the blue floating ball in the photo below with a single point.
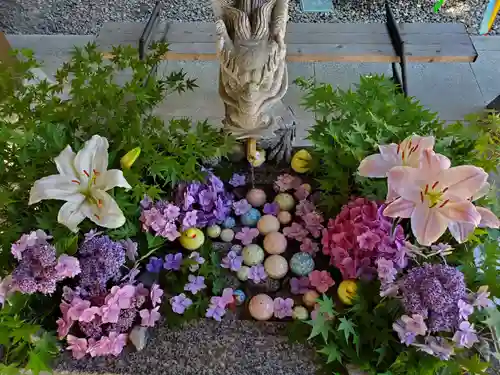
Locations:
(239, 297)
(251, 218)
(301, 264)
(229, 223)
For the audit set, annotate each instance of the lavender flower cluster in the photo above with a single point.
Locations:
(433, 291)
(196, 205)
(39, 269)
(100, 260)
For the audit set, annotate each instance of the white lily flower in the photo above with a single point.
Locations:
(82, 182)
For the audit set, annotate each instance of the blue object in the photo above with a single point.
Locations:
(229, 223)
(251, 218)
(316, 5)
(302, 264)
(239, 297)
(237, 249)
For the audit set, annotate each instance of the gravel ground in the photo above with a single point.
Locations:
(86, 16)
(206, 347)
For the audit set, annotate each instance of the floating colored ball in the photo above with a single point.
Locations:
(227, 235)
(275, 243)
(284, 217)
(301, 264)
(285, 201)
(301, 161)
(239, 297)
(300, 313)
(250, 218)
(276, 266)
(310, 298)
(256, 197)
(347, 291)
(261, 307)
(229, 222)
(242, 273)
(268, 224)
(213, 231)
(252, 255)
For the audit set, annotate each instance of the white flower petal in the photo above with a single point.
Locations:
(463, 212)
(375, 166)
(400, 208)
(93, 157)
(54, 187)
(110, 179)
(107, 213)
(433, 163)
(464, 181)
(71, 214)
(488, 218)
(483, 190)
(65, 162)
(460, 231)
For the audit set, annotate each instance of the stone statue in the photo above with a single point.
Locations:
(253, 74)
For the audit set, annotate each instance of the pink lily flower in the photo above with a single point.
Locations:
(461, 231)
(406, 154)
(434, 195)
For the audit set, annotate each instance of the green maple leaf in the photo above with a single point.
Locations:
(473, 365)
(326, 305)
(332, 352)
(356, 342)
(348, 327)
(493, 319)
(320, 326)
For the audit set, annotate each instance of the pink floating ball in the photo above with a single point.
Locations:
(268, 224)
(285, 217)
(256, 197)
(261, 307)
(275, 243)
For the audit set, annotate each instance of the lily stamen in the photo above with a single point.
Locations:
(86, 173)
(426, 189)
(444, 203)
(76, 182)
(435, 184)
(422, 197)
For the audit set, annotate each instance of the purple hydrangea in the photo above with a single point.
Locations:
(173, 262)
(233, 261)
(37, 269)
(195, 284)
(241, 207)
(154, 265)
(272, 209)
(180, 303)
(257, 273)
(283, 307)
(100, 261)
(433, 291)
(299, 285)
(237, 180)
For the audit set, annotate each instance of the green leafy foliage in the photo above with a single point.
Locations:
(351, 124)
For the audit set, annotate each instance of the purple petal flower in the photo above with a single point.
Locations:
(241, 207)
(436, 346)
(233, 261)
(207, 199)
(283, 307)
(299, 285)
(216, 184)
(272, 209)
(406, 337)
(168, 231)
(247, 235)
(386, 271)
(171, 212)
(216, 312)
(146, 203)
(414, 324)
(465, 336)
(190, 219)
(464, 309)
(257, 273)
(198, 259)
(180, 303)
(130, 248)
(237, 180)
(195, 284)
(154, 265)
(482, 300)
(173, 262)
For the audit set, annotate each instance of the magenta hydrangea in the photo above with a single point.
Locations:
(359, 236)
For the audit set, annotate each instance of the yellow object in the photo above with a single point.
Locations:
(130, 157)
(301, 160)
(192, 239)
(255, 157)
(347, 291)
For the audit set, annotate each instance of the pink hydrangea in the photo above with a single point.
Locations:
(156, 294)
(287, 182)
(321, 280)
(312, 222)
(296, 232)
(359, 236)
(301, 193)
(304, 207)
(77, 346)
(309, 246)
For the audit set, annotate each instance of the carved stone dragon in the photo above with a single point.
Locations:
(253, 74)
